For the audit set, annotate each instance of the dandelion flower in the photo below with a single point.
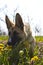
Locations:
(1, 46)
(35, 58)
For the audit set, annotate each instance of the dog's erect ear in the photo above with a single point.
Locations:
(8, 22)
(19, 22)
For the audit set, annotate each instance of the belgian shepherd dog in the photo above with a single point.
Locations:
(18, 31)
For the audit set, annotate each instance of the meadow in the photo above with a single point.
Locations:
(3, 37)
(38, 38)
(20, 54)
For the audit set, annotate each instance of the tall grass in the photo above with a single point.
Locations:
(20, 54)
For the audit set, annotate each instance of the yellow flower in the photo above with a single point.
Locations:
(32, 59)
(35, 58)
(1, 46)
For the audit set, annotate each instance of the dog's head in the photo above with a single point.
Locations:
(15, 31)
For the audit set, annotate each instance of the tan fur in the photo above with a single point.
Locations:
(23, 30)
(9, 23)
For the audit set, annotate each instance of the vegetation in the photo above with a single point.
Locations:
(3, 37)
(39, 38)
(21, 53)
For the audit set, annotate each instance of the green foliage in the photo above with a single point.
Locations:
(24, 58)
(39, 38)
(3, 38)
(21, 54)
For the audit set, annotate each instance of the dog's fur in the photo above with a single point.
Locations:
(18, 31)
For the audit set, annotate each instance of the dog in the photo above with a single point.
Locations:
(18, 31)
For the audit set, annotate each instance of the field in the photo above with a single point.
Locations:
(20, 55)
(2, 38)
(38, 38)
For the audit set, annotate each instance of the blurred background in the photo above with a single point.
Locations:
(31, 12)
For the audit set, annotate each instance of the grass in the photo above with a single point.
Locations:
(19, 55)
(3, 37)
(39, 38)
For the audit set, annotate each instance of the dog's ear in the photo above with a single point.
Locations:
(19, 22)
(8, 22)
